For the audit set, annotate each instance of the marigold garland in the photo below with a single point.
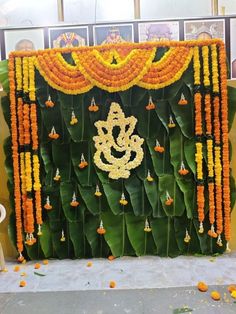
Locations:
(15, 156)
(209, 141)
(198, 133)
(225, 143)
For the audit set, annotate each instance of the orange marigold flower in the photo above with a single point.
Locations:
(89, 264)
(101, 230)
(74, 203)
(22, 283)
(83, 164)
(159, 149)
(112, 284)
(183, 172)
(183, 100)
(37, 266)
(202, 286)
(215, 295)
(16, 268)
(231, 288)
(111, 257)
(45, 262)
(169, 201)
(47, 206)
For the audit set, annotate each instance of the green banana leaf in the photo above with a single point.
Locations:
(72, 214)
(4, 75)
(184, 114)
(182, 224)
(86, 176)
(161, 161)
(186, 183)
(97, 243)
(78, 238)
(133, 96)
(164, 236)
(153, 196)
(138, 198)
(46, 240)
(8, 158)
(5, 103)
(167, 183)
(62, 160)
(93, 203)
(141, 241)
(116, 234)
(231, 105)
(113, 191)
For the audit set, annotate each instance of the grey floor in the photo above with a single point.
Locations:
(136, 301)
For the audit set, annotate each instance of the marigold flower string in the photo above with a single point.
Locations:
(225, 144)
(15, 156)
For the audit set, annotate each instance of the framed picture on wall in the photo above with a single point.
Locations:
(233, 48)
(23, 39)
(204, 29)
(158, 31)
(113, 34)
(61, 37)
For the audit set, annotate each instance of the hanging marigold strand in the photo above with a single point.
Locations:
(35, 144)
(18, 73)
(198, 133)
(15, 156)
(217, 147)
(28, 165)
(209, 141)
(225, 145)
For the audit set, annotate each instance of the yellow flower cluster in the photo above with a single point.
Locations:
(218, 167)
(28, 172)
(22, 172)
(198, 159)
(31, 79)
(210, 162)
(125, 143)
(25, 74)
(18, 71)
(206, 72)
(196, 65)
(215, 72)
(37, 184)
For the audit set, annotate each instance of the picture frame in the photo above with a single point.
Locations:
(73, 36)
(204, 29)
(233, 48)
(158, 31)
(23, 39)
(113, 33)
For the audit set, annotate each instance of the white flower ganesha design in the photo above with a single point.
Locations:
(120, 153)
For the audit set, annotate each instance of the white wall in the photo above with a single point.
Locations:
(91, 11)
(154, 9)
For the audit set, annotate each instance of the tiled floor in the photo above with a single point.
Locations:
(143, 285)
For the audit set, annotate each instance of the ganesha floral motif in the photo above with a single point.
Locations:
(117, 150)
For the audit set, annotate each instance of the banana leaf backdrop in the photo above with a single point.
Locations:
(124, 224)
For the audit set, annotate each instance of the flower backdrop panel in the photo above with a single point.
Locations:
(119, 149)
